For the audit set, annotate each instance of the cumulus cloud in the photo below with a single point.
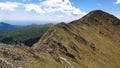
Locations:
(45, 6)
(63, 6)
(66, 7)
(51, 3)
(48, 6)
(50, 10)
(10, 6)
(117, 2)
(33, 7)
(26, 0)
(60, 16)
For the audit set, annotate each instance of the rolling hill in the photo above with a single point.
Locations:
(90, 42)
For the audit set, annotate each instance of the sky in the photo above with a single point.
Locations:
(20, 12)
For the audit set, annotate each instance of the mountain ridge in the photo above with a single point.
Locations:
(99, 14)
(81, 37)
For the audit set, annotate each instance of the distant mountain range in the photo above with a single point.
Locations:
(22, 35)
(5, 27)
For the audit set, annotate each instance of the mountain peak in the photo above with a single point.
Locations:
(97, 11)
(101, 17)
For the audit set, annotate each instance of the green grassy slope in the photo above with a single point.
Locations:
(26, 36)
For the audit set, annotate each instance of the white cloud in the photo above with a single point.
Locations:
(60, 16)
(33, 7)
(51, 3)
(48, 6)
(117, 2)
(63, 6)
(10, 6)
(66, 7)
(45, 6)
(49, 10)
(26, 0)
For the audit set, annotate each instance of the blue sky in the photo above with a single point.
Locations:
(48, 11)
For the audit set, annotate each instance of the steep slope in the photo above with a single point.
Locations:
(90, 42)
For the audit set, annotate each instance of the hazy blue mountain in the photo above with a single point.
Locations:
(5, 27)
